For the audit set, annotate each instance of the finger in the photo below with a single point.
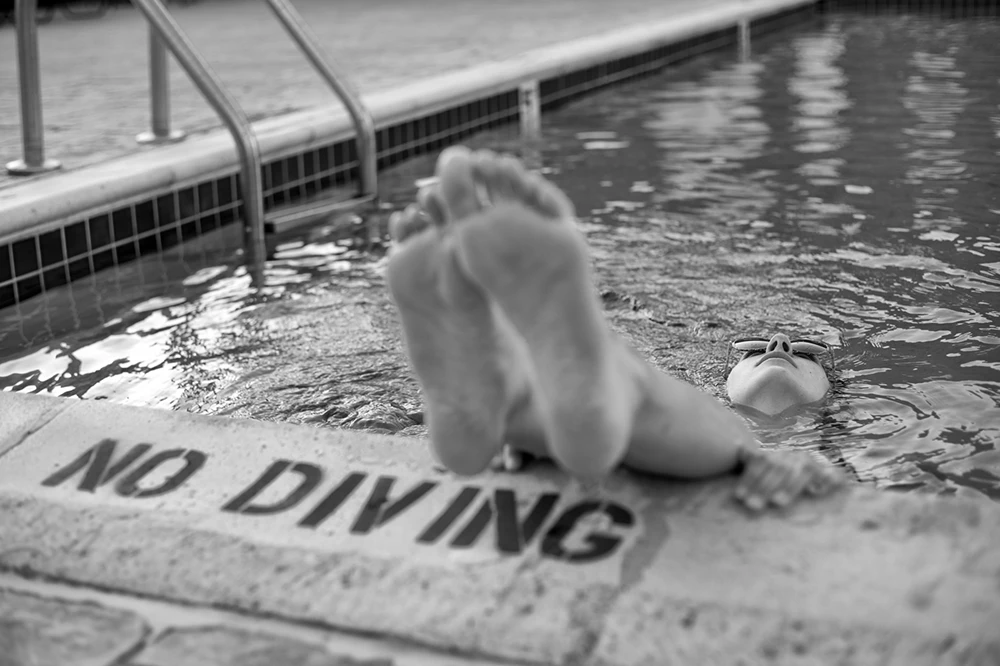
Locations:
(749, 482)
(825, 481)
(775, 478)
(793, 486)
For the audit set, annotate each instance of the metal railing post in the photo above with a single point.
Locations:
(235, 120)
(307, 41)
(743, 38)
(530, 105)
(159, 95)
(32, 128)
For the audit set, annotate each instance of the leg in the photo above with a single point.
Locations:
(593, 401)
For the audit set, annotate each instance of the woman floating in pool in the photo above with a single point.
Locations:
(507, 338)
(776, 375)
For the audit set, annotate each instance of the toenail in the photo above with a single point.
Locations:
(782, 498)
(755, 503)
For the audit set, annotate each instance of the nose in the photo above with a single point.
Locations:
(779, 342)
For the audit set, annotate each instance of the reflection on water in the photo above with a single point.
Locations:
(840, 184)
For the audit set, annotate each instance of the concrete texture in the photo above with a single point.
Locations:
(48, 632)
(654, 572)
(178, 635)
(95, 86)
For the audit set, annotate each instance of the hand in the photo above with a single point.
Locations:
(779, 477)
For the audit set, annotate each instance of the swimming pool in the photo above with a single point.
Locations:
(839, 183)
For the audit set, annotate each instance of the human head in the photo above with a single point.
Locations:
(777, 374)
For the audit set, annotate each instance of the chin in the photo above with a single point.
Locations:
(775, 388)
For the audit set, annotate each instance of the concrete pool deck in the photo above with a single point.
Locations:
(95, 81)
(153, 534)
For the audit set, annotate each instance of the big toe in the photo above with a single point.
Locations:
(505, 180)
(457, 186)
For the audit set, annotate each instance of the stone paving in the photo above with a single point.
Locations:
(95, 80)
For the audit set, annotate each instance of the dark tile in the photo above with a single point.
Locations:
(79, 268)
(187, 203)
(226, 189)
(103, 259)
(227, 215)
(148, 245)
(325, 158)
(310, 163)
(6, 270)
(125, 252)
(189, 230)
(100, 232)
(7, 295)
(166, 211)
(209, 222)
(52, 247)
(76, 239)
(169, 237)
(25, 256)
(294, 169)
(206, 197)
(121, 224)
(55, 277)
(145, 218)
(28, 287)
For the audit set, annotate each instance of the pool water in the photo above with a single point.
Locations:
(841, 183)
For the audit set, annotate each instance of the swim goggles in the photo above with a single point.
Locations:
(801, 346)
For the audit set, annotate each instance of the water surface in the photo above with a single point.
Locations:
(842, 183)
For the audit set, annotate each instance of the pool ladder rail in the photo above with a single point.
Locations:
(165, 31)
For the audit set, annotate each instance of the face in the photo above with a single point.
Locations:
(778, 375)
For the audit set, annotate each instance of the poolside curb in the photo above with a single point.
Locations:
(358, 532)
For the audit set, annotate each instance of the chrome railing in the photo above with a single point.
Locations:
(234, 118)
(166, 34)
(32, 131)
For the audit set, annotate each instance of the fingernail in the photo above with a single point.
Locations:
(782, 498)
(755, 503)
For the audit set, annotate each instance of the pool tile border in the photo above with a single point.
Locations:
(95, 219)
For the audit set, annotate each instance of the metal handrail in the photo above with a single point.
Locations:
(233, 117)
(364, 124)
(159, 96)
(308, 43)
(32, 129)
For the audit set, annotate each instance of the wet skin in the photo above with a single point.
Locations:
(777, 379)
(508, 340)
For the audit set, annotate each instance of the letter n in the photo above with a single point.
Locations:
(96, 460)
(512, 534)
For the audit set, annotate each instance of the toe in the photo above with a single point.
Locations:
(431, 202)
(547, 199)
(457, 188)
(503, 178)
(403, 225)
(506, 180)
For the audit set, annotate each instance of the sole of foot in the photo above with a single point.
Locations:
(448, 323)
(525, 252)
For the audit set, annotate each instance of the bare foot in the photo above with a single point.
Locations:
(449, 326)
(527, 254)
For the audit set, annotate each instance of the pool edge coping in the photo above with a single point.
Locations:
(837, 578)
(44, 202)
